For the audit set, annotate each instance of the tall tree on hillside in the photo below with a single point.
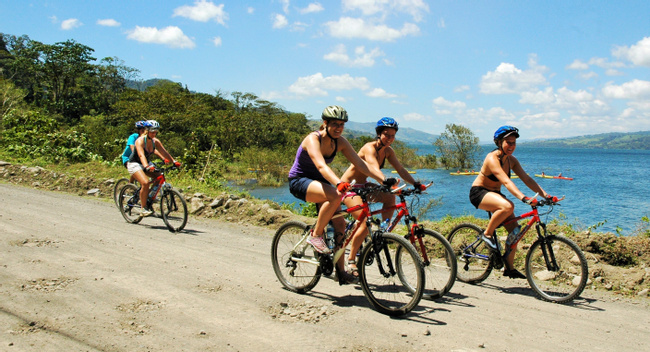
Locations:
(458, 147)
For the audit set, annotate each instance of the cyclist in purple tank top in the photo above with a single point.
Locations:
(312, 180)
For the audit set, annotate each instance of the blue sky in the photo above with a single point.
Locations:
(551, 68)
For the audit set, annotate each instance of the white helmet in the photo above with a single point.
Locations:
(153, 125)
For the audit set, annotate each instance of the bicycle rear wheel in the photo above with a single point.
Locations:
(383, 284)
(472, 254)
(440, 270)
(556, 269)
(174, 210)
(117, 187)
(294, 261)
(129, 203)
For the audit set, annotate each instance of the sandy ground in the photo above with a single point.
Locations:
(74, 276)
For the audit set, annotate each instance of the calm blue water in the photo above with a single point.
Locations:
(608, 185)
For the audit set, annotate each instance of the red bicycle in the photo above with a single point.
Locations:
(171, 206)
(556, 268)
(437, 254)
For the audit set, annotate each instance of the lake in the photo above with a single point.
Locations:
(609, 186)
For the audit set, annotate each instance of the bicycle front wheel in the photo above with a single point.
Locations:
(294, 260)
(129, 203)
(174, 210)
(556, 269)
(384, 284)
(472, 254)
(440, 265)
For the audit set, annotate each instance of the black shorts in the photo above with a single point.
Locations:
(298, 186)
(476, 194)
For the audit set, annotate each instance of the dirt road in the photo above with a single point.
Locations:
(74, 276)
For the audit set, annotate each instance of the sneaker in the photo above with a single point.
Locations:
(489, 241)
(145, 212)
(319, 244)
(513, 274)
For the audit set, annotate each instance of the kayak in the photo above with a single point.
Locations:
(464, 173)
(555, 177)
(410, 172)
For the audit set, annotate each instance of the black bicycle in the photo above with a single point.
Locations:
(393, 285)
(171, 203)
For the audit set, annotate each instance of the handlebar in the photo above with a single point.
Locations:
(546, 201)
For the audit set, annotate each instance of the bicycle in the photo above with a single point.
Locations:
(173, 208)
(394, 287)
(556, 268)
(117, 187)
(437, 255)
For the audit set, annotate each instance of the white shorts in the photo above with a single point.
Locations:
(134, 167)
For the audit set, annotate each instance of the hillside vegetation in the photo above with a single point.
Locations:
(633, 140)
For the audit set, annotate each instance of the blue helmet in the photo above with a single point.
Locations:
(505, 131)
(140, 124)
(386, 122)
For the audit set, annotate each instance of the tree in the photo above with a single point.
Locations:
(458, 147)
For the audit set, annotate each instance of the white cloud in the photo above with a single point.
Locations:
(216, 41)
(250, 10)
(441, 23)
(380, 93)
(312, 8)
(578, 64)
(638, 54)
(347, 27)
(203, 11)
(108, 22)
(415, 8)
(279, 21)
(318, 85)
(414, 116)
(633, 90)
(508, 79)
(443, 106)
(361, 59)
(70, 23)
(285, 6)
(460, 89)
(171, 36)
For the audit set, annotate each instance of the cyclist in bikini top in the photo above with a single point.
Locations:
(375, 153)
(312, 180)
(486, 193)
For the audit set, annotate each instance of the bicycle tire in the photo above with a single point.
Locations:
(174, 210)
(296, 276)
(385, 290)
(472, 254)
(561, 284)
(129, 203)
(117, 187)
(440, 271)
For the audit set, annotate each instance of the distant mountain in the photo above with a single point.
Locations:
(409, 136)
(615, 140)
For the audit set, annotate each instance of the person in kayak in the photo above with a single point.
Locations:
(486, 193)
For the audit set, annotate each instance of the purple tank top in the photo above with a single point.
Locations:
(303, 166)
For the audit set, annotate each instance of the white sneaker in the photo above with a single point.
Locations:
(319, 244)
(145, 212)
